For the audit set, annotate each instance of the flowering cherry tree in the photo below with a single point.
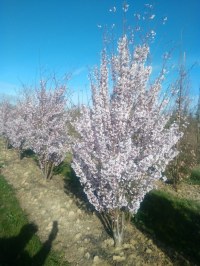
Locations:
(47, 118)
(18, 128)
(125, 143)
(5, 114)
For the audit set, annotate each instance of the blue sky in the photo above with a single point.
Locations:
(63, 36)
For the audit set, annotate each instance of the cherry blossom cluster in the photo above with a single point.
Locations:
(48, 126)
(39, 122)
(125, 139)
(5, 110)
(16, 128)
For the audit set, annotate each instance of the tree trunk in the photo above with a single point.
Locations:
(19, 152)
(6, 144)
(48, 170)
(118, 227)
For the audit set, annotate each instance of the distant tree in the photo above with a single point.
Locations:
(47, 120)
(18, 127)
(124, 144)
(182, 115)
(5, 114)
(198, 129)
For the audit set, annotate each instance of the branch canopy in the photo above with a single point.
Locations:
(124, 145)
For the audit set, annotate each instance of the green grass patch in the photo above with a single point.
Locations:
(64, 168)
(72, 185)
(174, 221)
(194, 178)
(19, 244)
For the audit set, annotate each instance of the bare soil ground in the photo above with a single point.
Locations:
(80, 233)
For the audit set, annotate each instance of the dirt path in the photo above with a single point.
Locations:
(81, 234)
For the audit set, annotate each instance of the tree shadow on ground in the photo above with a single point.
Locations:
(13, 250)
(173, 224)
(106, 222)
(73, 188)
(28, 154)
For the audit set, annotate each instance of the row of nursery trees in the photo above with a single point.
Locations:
(123, 141)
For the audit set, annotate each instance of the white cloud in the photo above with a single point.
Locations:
(78, 71)
(8, 91)
(7, 88)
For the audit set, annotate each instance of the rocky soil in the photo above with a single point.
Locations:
(80, 233)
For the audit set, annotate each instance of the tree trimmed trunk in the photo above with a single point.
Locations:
(118, 227)
(48, 169)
